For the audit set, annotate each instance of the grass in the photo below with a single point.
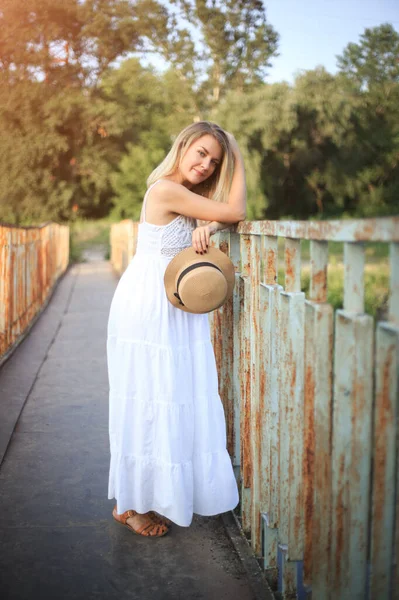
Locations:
(376, 274)
(374, 251)
(86, 234)
(376, 286)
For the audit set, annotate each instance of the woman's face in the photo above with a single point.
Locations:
(200, 161)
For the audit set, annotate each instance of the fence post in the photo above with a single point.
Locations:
(245, 384)
(317, 424)
(238, 298)
(291, 395)
(351, 446)
(269, 404)
(256, 422)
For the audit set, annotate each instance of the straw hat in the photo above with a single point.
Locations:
(199, 283)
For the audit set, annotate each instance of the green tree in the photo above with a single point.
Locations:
(372, 65)
(44, 135)
(371, 72)
(295, 139)
(235, 46)
(54, 143)
(327, 146)
(74, 42)
(141, 112)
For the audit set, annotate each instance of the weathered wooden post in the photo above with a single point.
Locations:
(291, 398)
(269, 320)
(352, 441)
(317, 424)
(384, 572)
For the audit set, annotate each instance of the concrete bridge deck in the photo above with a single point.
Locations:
(58, 539)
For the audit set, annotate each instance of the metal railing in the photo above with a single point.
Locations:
(311, 397)
(123, 240)
(31, 261)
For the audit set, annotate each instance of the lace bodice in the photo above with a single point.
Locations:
(166, 240)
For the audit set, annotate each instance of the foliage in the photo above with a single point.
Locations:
(74, 42)
(84, 121)
(371, 70)
(140, 137)
(372, 65)
(321, 148)
(236, 44)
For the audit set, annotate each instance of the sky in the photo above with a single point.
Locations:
(313, 32)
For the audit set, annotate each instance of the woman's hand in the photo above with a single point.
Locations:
(201, 236)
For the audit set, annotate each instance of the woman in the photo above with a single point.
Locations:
(167, 427)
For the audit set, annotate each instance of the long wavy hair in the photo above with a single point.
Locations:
(217, 186)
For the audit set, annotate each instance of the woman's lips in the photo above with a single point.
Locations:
(198, 173)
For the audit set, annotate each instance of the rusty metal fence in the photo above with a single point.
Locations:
(123, 239)
(31, 261)
(311, 397)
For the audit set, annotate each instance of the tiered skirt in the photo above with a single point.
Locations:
(167, 426)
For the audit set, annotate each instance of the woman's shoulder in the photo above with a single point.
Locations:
(165, 188)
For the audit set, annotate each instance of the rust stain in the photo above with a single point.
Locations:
(330, 378)
(224, 247)
(228, 383)
(359, 400)
(365, 231)
(321, 230)
(262, 381)
(289, 255)
(384, 418)
(308, 468)
(245, 387)
(246, 264)
(271, 271)
(274, 510)
(247, 467)
(292, 366)
(340, 519)
(289, 577)
(320, 277)
(241, 372)
(262, 409)
(11, 294)
(319, 285)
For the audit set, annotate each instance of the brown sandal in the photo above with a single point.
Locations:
(146, 529)
(160, 518)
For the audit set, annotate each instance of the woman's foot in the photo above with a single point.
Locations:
(160, 518)
(142, 524)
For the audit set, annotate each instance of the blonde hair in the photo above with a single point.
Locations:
(217, 186)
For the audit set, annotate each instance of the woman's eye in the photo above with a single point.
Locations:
(201, 153)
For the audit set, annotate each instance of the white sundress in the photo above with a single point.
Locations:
(167, 426)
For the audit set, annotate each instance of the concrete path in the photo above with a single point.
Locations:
(58, 539)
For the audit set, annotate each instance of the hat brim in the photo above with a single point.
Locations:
(188, 257)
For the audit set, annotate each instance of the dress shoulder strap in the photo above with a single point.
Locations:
(142, 217)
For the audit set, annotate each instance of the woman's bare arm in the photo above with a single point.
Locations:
(216, 226)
